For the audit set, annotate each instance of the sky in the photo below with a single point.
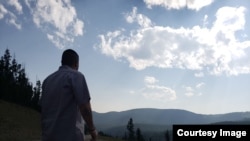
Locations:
(165, 54)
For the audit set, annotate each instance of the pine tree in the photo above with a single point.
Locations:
(6, 78)
(167, 137)
(139, 136)
(37, 90)
(6, 60)
(130, 128)
(2, 82)
(14, 83)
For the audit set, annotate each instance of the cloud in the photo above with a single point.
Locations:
(58, 19)
(3, 11)
(13, 21)
(10, 16)
(17, 5)
(215, 50)
(153, 91)
(192, 91)
(178, 4)
(150, 80)
(200, 85)
(199, 74)
(141, 19)
(158, 93)
(189, 91)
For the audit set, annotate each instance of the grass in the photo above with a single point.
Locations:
(18, 123)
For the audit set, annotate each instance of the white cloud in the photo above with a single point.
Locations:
(58, 19)
(198, 4)
(178, 4)
(193, 91)
(199, 74)
(9, 16)
(17, 5)
(150, 80)
(153, 91)
(189, 91)
(205, 21)
(215, 50)
(189, 94)
(199, 85)
(3, 11)
(13, 21)
(158, 93)
(142, 20)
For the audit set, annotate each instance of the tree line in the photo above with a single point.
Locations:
(15, 86)
(137, 135)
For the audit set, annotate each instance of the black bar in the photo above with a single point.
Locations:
(211, 132)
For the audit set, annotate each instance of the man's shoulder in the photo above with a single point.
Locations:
(74, 72)
(64, 71)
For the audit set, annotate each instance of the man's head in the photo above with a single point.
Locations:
(70, 58)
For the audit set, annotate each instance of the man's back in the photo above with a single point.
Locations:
(62, 92)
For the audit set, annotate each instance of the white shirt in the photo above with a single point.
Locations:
(62, 93)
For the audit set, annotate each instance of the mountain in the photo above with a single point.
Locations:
(159, 120)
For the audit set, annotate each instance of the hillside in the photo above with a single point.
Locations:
(18, 123)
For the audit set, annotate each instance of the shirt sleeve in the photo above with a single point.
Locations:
(80, 88)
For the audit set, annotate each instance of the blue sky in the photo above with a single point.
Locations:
(167, 54)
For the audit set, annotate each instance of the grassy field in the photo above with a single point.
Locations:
(18, 123)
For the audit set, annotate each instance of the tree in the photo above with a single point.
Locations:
(125, 137)
(139, 136)
(6, 60)
(167, 137)
(130, 128)
(37, 90)
(2, 81)
(5, 75)
(14, 83)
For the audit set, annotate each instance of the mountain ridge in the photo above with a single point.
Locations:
(167, 109)
(114, 121)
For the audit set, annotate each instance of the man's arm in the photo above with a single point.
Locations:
(86, 112)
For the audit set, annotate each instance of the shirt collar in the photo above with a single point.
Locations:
(65, 67)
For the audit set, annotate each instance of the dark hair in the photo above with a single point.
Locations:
(69, 57)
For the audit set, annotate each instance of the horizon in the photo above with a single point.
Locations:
(192, 55)
(170, 109)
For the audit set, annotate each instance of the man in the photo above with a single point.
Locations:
(65, 103)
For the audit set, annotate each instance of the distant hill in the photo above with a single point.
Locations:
(159, 120)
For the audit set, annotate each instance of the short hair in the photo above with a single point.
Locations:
(69, 57)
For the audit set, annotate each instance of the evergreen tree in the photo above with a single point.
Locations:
(130, 128)
(2, 83)
(125, 137)
(14, 83)
(139, 136)
(6, 60)
(37, 90)
(167, 137)
(6, 78)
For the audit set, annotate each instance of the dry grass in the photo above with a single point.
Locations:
(18, 123)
